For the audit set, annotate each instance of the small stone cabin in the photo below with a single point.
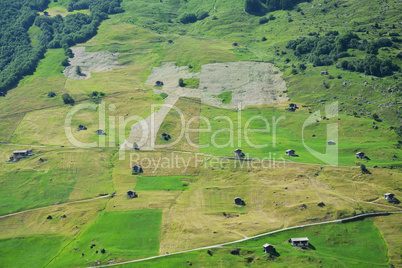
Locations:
(324, 73)
(137, 169)
(100, 132)
(290, 152)
(158, 83)
(81, 127)
(293, 106)
(268, 248)
(166, 136)
(331, 143)
(389, 196)
(238, 153)
(131, 194)
(360, 155)
(299, 242)
(239, 201)
(17, 155)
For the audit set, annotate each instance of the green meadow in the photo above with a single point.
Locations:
(122, 234)
(30, 251)
(269, 132)
(32, 189)
(168, 183)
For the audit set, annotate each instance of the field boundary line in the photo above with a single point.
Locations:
(61, 204)
(363, 215)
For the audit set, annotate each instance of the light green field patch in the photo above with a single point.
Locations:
(34, 32)
(122, 234)
(49, 66)
(192, 82)
(30, 189)
(225, 96)
(165, 183)
(8, 124)
(29, 252)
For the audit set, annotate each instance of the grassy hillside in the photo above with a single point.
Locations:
(357, 244)
(186, 193)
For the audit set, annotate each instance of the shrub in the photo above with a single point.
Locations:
(376, 117)
(264, 20)
(51, 94)
(67, 98)
(294, 71)
(264, 39)
(78, 70)
(181, 82)
(69, 53)
(188, 18)
(334, 33)
(253, 6)
(65, 62)
(164, 95)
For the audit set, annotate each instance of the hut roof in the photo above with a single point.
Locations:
(300, 239)
(21, 152)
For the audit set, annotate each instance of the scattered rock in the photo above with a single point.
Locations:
(321, 204)
(49, 217)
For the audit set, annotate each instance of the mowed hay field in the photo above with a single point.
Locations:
(52, 175)
(185, 195)
(193, 210)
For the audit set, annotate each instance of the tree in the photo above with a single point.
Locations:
(51, 94)
(65, 62)
(188, 18)
(78, 70)
(181, 82)
(364, 169)
(67, 98)
(264, 20)
(253, 6)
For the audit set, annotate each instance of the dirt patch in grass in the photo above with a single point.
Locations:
(90, 62)
(251, 83)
